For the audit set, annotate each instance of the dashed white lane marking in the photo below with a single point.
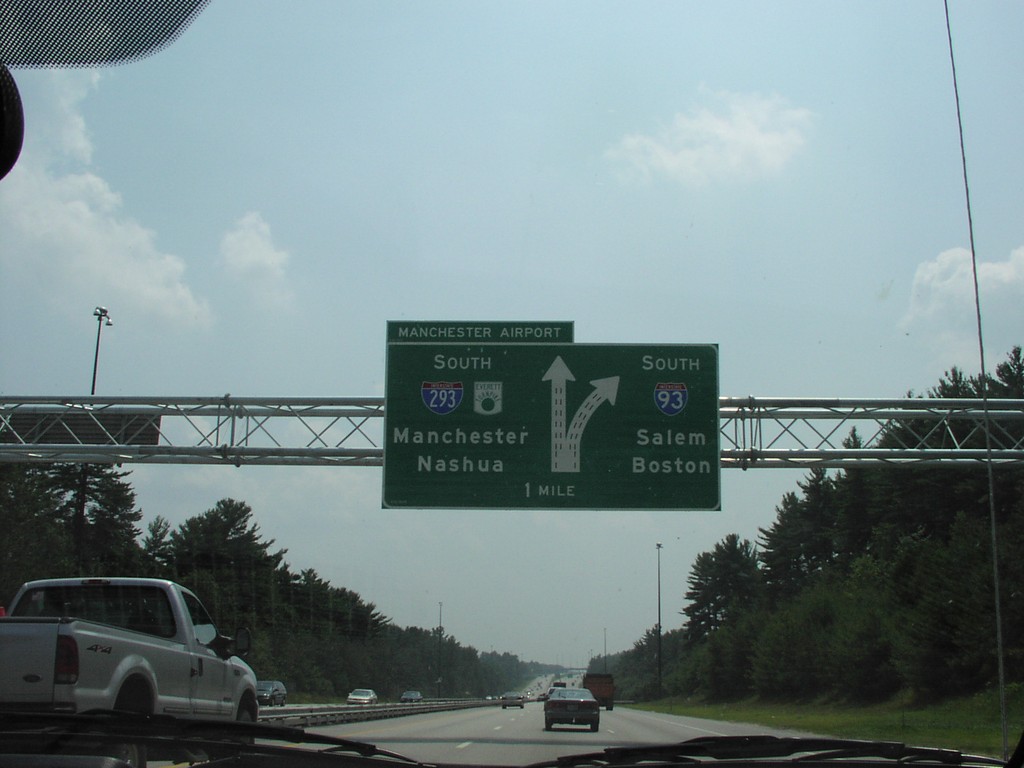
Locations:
(463, 745)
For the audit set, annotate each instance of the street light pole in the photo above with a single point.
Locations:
(440, 637)
(658, 548)
(101, 314)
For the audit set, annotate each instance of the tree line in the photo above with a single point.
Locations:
(869, 582)
(322, 640)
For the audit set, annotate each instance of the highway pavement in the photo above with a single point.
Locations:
(493, 736)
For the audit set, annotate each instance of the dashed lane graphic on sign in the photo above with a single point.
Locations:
(566, 438)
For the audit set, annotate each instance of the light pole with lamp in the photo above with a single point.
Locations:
(102, 315)
(658, 548)
(440, 640)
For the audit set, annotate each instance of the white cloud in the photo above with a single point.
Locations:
(59, 129)
(942, 307)
(738, 137)
(64, 226)
(249, 254)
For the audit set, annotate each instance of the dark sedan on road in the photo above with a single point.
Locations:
(411, 697)
(271, 692)
(573, 706)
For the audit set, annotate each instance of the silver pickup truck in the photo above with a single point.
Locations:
(140, 645)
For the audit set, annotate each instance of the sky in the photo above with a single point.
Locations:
(254, 203)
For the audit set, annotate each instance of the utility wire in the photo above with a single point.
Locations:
(984, 400)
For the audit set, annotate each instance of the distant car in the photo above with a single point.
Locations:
(575, 706)
(512, 699)
(271, 693)
(411, 697)
(362, 696)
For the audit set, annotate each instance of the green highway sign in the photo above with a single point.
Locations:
(532, 425)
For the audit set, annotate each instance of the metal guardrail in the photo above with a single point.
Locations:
(333, 714)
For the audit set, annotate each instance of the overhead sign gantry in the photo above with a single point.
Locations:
(755, 432)
(751, 432)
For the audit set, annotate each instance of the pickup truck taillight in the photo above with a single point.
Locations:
(65, 668)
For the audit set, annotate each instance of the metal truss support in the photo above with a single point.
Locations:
(348, 431)
(804, 432)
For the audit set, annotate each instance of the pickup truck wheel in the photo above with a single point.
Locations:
(134, 696)
(246, 714)
(133, 754)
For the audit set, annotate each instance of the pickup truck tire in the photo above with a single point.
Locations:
(247, 710)
(134, 696)
(132, 754)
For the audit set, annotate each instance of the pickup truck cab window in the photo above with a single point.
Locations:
(138, 608)
(206, 631)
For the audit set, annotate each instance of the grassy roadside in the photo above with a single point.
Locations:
(971, 725)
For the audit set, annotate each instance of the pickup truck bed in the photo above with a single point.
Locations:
(33, 641)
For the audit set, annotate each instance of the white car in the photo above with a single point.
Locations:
(362, 696)
(512, 699)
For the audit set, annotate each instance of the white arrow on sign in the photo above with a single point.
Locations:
(565, 440)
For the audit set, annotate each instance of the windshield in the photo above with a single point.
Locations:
(544, 259)
(571, 693)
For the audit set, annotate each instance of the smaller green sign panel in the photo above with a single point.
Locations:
(518, 332)
(588, 426)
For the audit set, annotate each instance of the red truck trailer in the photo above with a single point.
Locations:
(603, 688)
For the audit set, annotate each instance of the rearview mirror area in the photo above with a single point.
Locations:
(12, 121)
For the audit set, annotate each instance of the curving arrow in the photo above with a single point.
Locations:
(565, 440)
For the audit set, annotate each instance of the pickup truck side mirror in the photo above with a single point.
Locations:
(243, 641)
(226, 647)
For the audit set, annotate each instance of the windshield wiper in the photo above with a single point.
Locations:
(783, 748)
